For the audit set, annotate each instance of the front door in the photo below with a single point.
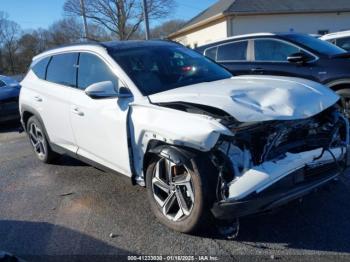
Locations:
(100, 125)
(270, 58)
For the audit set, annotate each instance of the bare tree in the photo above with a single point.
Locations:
(164, 30)
(10, 32)
(122, 17)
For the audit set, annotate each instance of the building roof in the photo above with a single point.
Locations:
(241, 7)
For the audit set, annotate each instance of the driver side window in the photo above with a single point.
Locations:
(93, 70)
(270, 50)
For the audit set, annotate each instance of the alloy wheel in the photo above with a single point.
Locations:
(172, 189)
(37, 140)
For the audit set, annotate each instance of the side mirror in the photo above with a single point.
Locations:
(106, 89)
(298, 58)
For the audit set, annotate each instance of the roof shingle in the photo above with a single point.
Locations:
(270, 7)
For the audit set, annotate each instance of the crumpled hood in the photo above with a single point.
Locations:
(256, 98)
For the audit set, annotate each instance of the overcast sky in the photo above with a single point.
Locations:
(31, 14)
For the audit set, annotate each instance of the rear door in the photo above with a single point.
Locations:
(234, 56)
(53, 99)
(270, 58)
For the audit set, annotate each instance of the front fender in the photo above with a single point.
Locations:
(171, 127)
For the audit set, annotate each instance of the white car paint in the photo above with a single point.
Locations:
(335, 35)
(260, 177)
(257, 98)
(98, 129)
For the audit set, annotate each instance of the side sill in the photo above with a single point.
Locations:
(62, 151)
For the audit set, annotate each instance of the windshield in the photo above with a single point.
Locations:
(156, 69)
(320, 46)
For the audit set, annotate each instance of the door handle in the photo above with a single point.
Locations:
(38, 98)
(258, 70)
(77, 111)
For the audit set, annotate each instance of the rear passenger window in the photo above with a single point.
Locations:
(62, 69)
(211, 52)
(236, 51)
(39, 68)
(2, 84)
(93, 70)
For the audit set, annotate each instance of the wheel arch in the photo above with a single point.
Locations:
(26, 113)
(176, 154)
(339, 84)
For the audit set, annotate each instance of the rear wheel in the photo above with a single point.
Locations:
(179, 194)
(39, 141)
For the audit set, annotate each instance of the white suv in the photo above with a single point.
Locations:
(341, 39)
(204, 143)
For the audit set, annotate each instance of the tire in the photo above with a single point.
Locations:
(195, 212)
(39, 142)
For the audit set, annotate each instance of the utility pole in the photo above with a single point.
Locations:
(82, 5)
(145, 13)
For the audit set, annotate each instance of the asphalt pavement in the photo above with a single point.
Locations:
(70, 208)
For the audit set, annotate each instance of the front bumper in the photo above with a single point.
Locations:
(295, 185)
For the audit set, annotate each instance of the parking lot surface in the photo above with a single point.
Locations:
(72, 209)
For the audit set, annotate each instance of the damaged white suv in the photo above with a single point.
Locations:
(204, 143)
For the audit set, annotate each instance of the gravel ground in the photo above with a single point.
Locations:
(72, 209)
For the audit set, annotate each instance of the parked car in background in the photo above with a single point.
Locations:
(204, 143)
(285, 54)
(341, 39)
(9, 93)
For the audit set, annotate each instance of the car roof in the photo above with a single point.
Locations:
(103, 46)
(237, 37)
(336, 35)
(248, 36)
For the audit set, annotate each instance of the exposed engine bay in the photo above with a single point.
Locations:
(260, 154)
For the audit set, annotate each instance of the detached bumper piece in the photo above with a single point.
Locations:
(292, 187)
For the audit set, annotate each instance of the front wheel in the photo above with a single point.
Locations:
(179, 194)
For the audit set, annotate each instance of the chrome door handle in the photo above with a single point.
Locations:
(77, 111)
(38, 98)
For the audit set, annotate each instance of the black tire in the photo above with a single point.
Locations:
(203, 191)
(39, 142)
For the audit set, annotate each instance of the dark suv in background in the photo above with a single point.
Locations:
(285, 54)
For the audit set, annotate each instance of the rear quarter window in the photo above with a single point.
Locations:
(211, 52)
(40, 67)
(2, 83)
